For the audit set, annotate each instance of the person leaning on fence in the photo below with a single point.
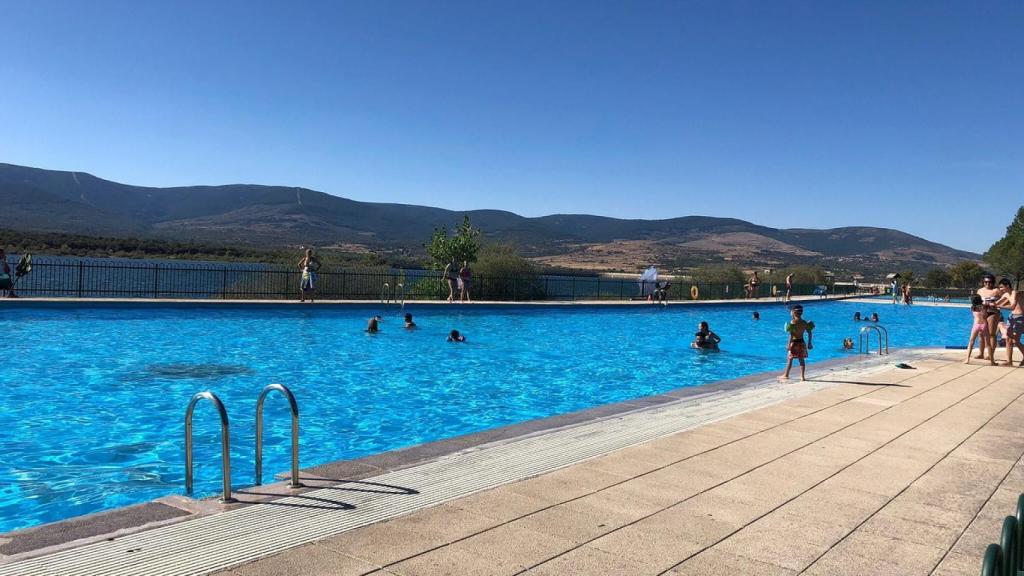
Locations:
(661, 292)
(6, 281)
(465, 282)
(309, 266)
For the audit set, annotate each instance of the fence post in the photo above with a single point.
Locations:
(80, 273)
(573, 296)
(622, 287)
(547, 293)
(156, 280)
(224, 283)
(598, 288)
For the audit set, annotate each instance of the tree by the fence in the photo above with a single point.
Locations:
(463, 246)
(1007, 254)
(937, 278)
(966, 274)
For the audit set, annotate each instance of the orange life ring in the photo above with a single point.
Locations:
(694, 292)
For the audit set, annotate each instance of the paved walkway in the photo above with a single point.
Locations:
(902, 472)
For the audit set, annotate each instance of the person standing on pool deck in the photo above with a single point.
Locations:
(309, 266)
(6, 282)
(1014, 301)
(993, 316)
(449, 277)
(797, 348)
(466, 281)
(789, 286)
(979, 330)
(752, 285)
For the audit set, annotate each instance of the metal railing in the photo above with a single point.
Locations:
(98, 278)
(295, 433)
(225, 444)
(864, 339)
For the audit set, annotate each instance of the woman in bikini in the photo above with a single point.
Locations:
(450, 275)
(979, 329)
(990, 294)
(466, 280)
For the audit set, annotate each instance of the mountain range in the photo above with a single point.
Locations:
(79, 203)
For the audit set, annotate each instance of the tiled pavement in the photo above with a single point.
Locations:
(905, 472)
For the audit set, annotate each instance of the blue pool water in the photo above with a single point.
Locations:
(95, 397)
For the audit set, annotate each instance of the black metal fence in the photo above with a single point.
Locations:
(146, 279)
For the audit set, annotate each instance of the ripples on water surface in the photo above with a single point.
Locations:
(95, 397)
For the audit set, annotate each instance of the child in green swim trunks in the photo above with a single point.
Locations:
(797, 348)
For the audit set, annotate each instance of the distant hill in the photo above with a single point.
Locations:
(275, 216)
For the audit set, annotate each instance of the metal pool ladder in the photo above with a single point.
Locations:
(864, 339)
(225, 444)
(295, 433)
(397, 296)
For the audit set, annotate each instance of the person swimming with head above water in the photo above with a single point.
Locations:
(856, 316)
(373, 325)
(408, 321)
(455, 336)
(705, 339)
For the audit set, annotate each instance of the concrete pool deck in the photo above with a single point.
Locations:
(866, 470)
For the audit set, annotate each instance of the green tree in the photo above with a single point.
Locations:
(466, 242)
(502, 274)
(801, 275)
(966, 273)
(464, 245)
(718, 274)
(937, 278)
(498, 260)
(440, 248)
(1007, 254)
(908, 277)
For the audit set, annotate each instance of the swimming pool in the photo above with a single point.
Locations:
(96, 395)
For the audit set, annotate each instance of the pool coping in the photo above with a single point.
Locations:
(52, 302)
(81, 530)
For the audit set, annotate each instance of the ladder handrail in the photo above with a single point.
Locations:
(225, 444)
(400, 294)
(385, 297)
(864, 340)
(295, 433)
(885, 333)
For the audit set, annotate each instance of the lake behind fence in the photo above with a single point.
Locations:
(63, 277)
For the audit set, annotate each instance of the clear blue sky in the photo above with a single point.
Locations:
(790, 114)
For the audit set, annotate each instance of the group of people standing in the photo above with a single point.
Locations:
(987, 307)
(750, 288)
(459, 281)
(901, 292)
